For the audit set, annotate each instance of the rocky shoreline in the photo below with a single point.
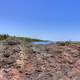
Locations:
(39, 62)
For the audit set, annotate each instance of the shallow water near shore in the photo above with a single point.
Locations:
(41, 42)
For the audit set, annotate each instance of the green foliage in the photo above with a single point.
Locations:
(64, 43)
(67, 43)
(8, 37)
(4, 36)
(30, 39)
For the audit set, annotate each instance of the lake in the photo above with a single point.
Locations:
(41, 42)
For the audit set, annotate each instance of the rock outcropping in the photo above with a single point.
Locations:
(19, 61)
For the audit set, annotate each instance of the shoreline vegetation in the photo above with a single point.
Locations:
(28, 39)
(7, 37)
(22, 60)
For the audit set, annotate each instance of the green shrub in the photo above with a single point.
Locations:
(3, 36)
(64, 43)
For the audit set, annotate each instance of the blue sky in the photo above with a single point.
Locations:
(44, 19)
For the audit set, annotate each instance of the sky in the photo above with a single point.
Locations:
(54, 20)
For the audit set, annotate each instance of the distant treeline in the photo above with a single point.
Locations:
(66, 43)
(31, 39)
(6, 36)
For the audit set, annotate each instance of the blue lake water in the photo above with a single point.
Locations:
(41, 42)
